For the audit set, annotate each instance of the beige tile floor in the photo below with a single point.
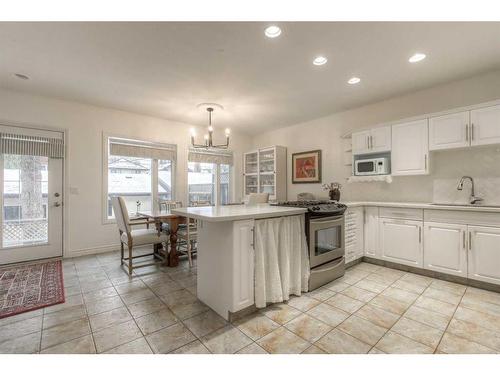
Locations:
(371, 309)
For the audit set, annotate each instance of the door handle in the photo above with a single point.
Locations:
(371, 141)
(472, 131)
(470, 241)
(253, 237)
(419, 234)
(463, 240)
(57, 204)
(466, 132)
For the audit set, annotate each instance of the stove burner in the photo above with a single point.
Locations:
(316, 206)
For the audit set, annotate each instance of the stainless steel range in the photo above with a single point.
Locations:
(325, 237)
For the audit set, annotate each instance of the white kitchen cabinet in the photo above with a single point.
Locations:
(243, 264)
(264, 171)
(445, 248)
(484, 254)
(354, 244)
(485, 126)
(371, 228)
(401, 241)
(372, 141)
(410, 148)
(449, 131)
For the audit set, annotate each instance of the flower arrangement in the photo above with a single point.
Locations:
(333, 190)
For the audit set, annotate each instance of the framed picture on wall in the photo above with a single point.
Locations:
(306, 167)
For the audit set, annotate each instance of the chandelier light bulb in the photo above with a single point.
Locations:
(210, 128)
(227, 131)
(193, 132)
(205, 137)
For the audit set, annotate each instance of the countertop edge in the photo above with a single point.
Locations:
(243, 216)
(427, 206)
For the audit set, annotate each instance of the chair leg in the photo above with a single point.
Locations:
(189, 246)
(122, 251)
(130, 260)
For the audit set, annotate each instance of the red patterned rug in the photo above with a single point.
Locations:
(29, 287)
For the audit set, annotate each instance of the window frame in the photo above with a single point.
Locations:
(154, 174)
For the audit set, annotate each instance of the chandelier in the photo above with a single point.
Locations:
(208, 137)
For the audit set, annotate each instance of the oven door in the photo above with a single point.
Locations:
(326, 240)
(365, 167)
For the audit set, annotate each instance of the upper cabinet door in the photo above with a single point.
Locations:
(360, 143)
(485, 126)
(449, 131)
(410, 148)
(380, 139)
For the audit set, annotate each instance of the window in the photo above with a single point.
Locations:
(140, 172)
(209, 177)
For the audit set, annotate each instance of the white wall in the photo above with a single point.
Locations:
(85, 125)
(447, 167)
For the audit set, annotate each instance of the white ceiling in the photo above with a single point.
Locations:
(165, 69)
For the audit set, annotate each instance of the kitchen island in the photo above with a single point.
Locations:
(225, 259)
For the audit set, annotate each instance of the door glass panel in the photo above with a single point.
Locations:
(267, 161)
(251, 163)
(250, 184)
(225, 179)
(267, 183)
(201, 183)
(164, 180)
(25, 192)
(326, 240)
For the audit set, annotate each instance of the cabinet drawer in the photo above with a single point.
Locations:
(402, 213)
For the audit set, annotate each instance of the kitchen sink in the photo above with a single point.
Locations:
(465, 205)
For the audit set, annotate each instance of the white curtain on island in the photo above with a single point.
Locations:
(281, 259)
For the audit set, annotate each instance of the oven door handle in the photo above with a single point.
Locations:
(327, 220)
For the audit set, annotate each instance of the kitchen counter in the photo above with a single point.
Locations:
(427, 206)
(237, 212)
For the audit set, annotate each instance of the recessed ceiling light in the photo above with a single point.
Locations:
(272, 31)
(354, 80)
(417, 57)
(320, 60)
(21, 76)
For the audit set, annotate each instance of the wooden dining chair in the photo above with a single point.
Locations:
(135, 237)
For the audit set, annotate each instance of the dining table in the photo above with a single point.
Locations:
(165, 216)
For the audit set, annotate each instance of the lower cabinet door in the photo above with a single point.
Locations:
(371, 228)
(484, 254)
(243, 264)
(445, 248)
(401, 241)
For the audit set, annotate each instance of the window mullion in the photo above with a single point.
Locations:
(154, 183)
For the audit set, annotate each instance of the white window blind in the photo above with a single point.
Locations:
(210, 156)
(140, 149)
(20, 144)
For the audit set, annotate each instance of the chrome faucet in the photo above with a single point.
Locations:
(473, 199)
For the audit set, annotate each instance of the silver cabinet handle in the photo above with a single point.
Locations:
(472, 131)
(425, 161)
(371, 141)
(367, 141)
(470, 241)
(420, 234)
(463, 239)
(253, 238)
(466, 132)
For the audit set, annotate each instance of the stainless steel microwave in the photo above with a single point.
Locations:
(370, 167)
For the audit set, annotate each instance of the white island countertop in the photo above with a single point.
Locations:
(237, 212)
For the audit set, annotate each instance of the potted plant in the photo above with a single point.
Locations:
(333, 190)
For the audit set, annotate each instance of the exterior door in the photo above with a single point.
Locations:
(445, 248)
(31, 207)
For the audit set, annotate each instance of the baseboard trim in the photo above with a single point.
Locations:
(91, 251)
(434, 274)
